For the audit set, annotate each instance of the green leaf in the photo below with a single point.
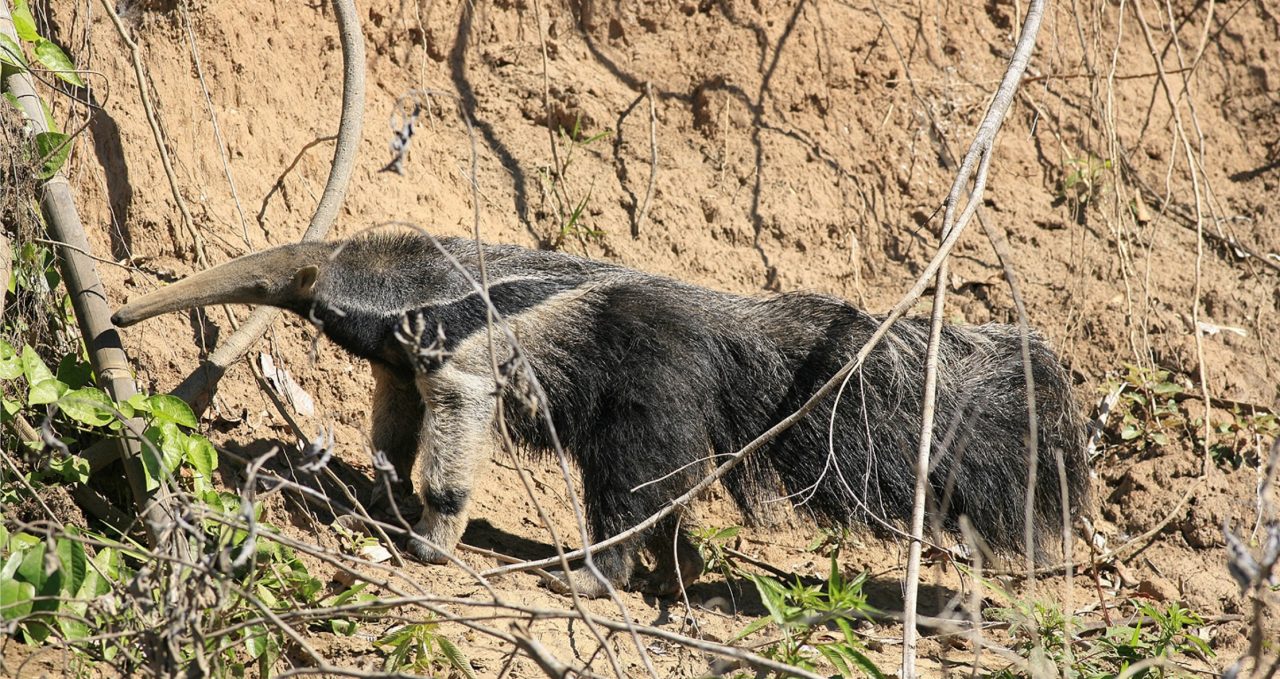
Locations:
(32, 570)
(34, 368)
(74, 371)
(88, 406)
(53, 147)
(10, 364)
(46, 391)
(832, 654)
(201, 454)
(15, 599)
(151, 460)
(255, 641)
(455, 657)
(173, 444)
(11, 564)
(771, 595)
(73, 564)
(167, 408)
(1166, 388)
(23, 22)
(57, 61)
(71, 468)
(11, 53)
(753, 628)
(139, 403)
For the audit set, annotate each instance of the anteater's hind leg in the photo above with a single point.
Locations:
(396, 425)
(457, 436)
(678, 562)
(632, 467)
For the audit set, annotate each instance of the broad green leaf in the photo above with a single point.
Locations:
(11, 53)
(10, 567)
(139, 403)
(255, 641)
(109, 562)
(173, 443)
(45, 391)
(15, 599)
(151, 461)
(10, 364)
(88, 406)
(74, 371)
(74, 564)
(1166, 388)
(32, 570)
(343, 626)
(71, 468)
(54, 59)
(53, 147)
(34, 368)
(201, 454)
(167, 408)
(23, 22)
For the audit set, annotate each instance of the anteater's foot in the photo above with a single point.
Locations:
(663, 581)
(579, 579)
(420, 550)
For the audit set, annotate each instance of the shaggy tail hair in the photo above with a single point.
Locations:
(979, 464)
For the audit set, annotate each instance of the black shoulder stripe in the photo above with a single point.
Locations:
(461, 318)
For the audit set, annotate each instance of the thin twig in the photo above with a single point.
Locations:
(974, 166)
(157, 132)
(653, 162)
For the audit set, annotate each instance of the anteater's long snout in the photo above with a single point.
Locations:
(277, 277)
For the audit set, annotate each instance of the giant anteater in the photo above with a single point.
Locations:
(647, 378)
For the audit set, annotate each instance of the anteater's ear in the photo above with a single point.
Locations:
(304, 280)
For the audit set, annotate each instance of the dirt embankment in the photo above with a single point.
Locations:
(800, 146)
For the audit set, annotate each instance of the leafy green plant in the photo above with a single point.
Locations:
(1051, 640)
(421, 648)
(570, 212)
(712, 543)
(829, 540)
(1239, 440)
(52, 146)
(1148, 408)
(1082, 181)
(802, 614)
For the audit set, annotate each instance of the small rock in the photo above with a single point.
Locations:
(1159, 589)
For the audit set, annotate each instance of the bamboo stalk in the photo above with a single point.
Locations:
(88, 297)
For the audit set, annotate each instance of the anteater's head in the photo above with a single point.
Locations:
(283, 277)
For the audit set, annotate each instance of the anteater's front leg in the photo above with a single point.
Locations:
(456, 437)
(396, 425)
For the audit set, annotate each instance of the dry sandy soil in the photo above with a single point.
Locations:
(801, 145)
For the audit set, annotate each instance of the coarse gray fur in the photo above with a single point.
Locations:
(646, 378)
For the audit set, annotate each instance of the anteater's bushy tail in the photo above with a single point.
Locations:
(859, 466)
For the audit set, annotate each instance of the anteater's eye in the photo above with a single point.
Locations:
(261, 287)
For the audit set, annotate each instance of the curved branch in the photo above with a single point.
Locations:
(198, 388)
